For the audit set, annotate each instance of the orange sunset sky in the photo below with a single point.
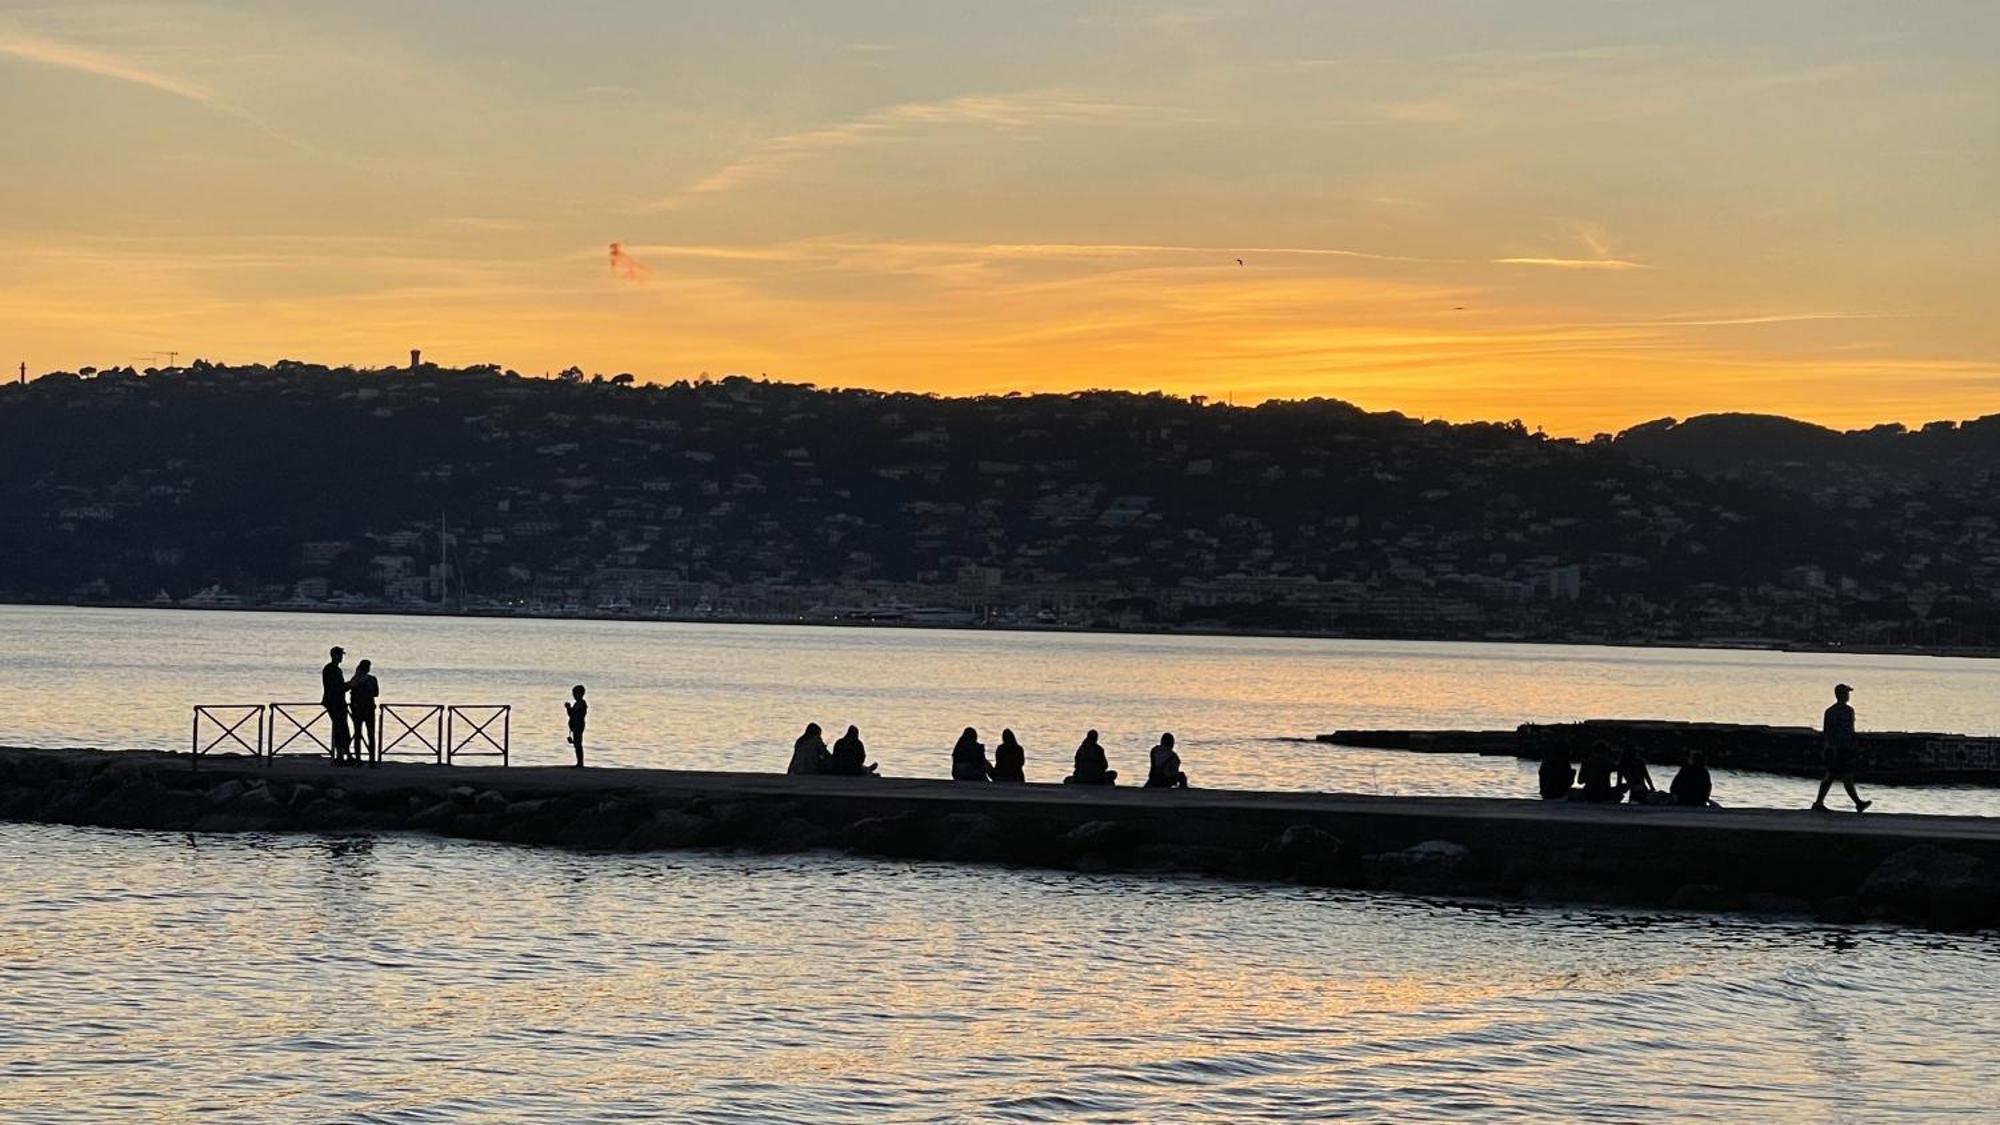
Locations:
(1579, 214)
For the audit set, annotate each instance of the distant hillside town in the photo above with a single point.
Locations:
(480, 490)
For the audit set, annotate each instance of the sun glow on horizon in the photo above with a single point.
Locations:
(1579, 225)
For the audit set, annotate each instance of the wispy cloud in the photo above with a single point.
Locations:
(826, 249)
(1575, 263)
(782, 155)
(65, 54)
(89, 60)
(1773, 318)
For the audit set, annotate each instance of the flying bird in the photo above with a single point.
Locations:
(1239, 261)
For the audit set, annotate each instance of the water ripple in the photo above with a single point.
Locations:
(418, 980)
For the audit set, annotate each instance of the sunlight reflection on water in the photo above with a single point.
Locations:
(407, 979)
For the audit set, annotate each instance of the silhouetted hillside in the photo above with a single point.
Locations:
(1721, 442)
(302, 485)
(1742, 443)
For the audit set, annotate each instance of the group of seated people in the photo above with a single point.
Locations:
(1608, 778)
(969, 762)
(848, 758)
(1163, 769)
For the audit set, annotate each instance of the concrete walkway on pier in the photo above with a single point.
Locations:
(1083, 802)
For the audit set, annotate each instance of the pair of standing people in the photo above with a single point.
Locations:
(346, 700)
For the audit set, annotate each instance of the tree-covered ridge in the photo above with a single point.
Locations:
(302, 482)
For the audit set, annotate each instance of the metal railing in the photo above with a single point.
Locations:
(471, 725)
(441, 732)
(315, 719)
(421, 725)
(225, 722)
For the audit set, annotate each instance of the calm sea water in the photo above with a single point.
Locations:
(734, 697)
(164, 977)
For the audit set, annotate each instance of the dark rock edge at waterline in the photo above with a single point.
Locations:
(1938, 872)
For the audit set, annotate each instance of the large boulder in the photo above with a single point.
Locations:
(1306, 854)
(794, 834)
(1928, 885)
(139, 801)
(670, 829)
(900, 835)
(436, 817)
(973, 837)
(605, 825)
(1433, 865)
(1102, 845)
(252, 809)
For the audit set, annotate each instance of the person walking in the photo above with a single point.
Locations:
(1841, 747)
(362, 692)
(333, 697)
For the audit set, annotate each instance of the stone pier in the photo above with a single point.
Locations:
(1933, 871)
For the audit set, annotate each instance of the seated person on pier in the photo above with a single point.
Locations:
(1691, 786)
(1091, 766)
(1557, 775)
(1637, 781)
(809, 753)
(850, 757)
(968, 758)
(1009, 759)
(1165, 770)
(1595, 778)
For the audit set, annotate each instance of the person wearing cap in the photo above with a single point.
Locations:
(333, 697)
(1839, 743)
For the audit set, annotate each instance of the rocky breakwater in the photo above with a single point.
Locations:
(1939, 872)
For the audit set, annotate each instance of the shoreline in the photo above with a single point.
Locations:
(1928, 871)
(1967, 652)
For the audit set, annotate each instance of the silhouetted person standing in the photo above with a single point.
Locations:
(333, 697)
(1009, 759)
(579, 715)
(362, 692)
(1164, 767)
(1692, 786)
(809, 753)
(1841, 747)
(850, 757)
(968, 758)
(1091, 766)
